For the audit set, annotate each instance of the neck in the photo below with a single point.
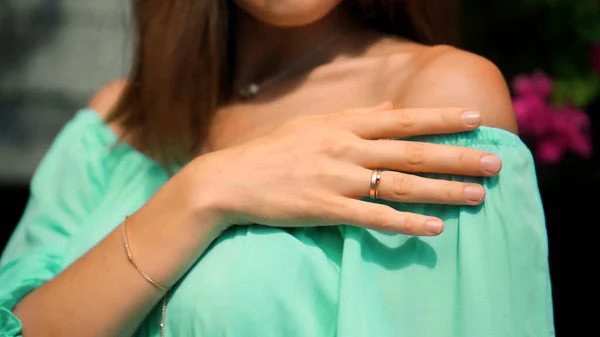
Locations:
(264, 51)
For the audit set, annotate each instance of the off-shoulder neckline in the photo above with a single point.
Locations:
(111, 138)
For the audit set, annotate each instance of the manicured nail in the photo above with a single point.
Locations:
(471, 118)
(491, 163)
(474, 194)
(434, 226)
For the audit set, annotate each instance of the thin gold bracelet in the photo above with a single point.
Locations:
(130, 257)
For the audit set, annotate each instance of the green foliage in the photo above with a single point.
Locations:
(552, 35)
(586, 18)
(580, 16)
(578, 91)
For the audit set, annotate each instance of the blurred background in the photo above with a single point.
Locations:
(55, 53)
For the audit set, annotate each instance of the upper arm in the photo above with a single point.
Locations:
(66, 188)
(448, 77)
(66, 185)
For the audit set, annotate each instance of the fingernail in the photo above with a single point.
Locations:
(491, 163)
(434, 226)
(474, 194)
(471, 118)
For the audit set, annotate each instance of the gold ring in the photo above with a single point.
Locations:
(374, 188)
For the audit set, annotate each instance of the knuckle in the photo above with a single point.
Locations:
(415, 153)
(386, 227)
(324, 171)
(454, 193)
(448, 117)
(376, 220)
(409, 226)
(402, 185)
(404, 118)
(339, 148)
(462, 158)
(319, 170)
(327, 207)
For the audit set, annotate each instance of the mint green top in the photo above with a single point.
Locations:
(486, 275)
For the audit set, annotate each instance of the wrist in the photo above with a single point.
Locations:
(208, 205)
(208, 210)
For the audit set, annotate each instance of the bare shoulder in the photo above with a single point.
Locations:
(106, 98)
(443, 76)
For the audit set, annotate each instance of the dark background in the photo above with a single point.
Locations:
(555, 36)
(518, 35)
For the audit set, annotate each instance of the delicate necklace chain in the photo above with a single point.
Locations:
(253, 89)
(163, 315)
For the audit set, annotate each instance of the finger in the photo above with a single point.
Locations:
(408, 188)
(403, 123)
(410, 156)
(386, 219)
(397, 186)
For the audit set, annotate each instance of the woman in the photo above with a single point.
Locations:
(240, 100)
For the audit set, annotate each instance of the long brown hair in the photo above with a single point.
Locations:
(183, 58)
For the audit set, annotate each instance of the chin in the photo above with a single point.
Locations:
(288, 13)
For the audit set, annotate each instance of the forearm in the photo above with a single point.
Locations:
(102, 294)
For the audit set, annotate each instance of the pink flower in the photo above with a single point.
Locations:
(576, 117)
(568, 130)
(538, 84)
(549, 151)
(555, 130)
(532, 115)
(574, 127)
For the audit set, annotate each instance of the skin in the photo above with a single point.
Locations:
(296, 156)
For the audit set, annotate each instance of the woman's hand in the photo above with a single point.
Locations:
(314, 170)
